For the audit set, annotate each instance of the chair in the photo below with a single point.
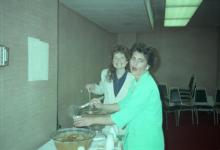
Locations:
(175, 101)
(217, 105)
(201, 103)
(164, 98)
(184, 104)
(190, 85)
(168, 106)
(187, 102)
(163, 91)
(188, 91)
(187, 106)
(174, 104)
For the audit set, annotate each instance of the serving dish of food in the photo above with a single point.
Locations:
(72, 138)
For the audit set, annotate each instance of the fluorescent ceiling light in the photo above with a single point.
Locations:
(183, 2)
(179, 12)
(175, 22)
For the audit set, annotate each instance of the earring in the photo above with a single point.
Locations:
(147, 68)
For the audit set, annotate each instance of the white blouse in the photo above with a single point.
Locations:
(106, 87)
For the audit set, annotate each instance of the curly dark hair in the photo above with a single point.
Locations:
(117, 49)
(148, 52)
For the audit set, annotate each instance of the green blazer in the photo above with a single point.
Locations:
(141, 115)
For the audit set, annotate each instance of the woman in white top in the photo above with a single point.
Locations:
(116, 80)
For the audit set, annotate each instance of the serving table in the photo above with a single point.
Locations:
(99, 142)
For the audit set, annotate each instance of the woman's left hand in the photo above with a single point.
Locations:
(82, 121)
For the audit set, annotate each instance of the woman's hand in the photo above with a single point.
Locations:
(96, 102)
(90, 87)
(80, 121)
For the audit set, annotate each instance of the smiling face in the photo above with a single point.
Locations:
(119, 61)
(138, 64)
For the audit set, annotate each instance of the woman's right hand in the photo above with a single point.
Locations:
(96, 102)
(90, 87)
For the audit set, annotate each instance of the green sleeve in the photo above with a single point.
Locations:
(133, 105)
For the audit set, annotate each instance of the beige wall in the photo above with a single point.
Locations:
(185, 52)
(127, 39)
(83, 53)
(218, 66)
(27, 109)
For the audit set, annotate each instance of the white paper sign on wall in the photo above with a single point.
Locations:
(38, 59)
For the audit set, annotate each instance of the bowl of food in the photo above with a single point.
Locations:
(72, 138)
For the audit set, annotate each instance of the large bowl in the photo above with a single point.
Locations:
(72, 138)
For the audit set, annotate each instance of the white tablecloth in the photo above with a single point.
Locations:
(98, 142)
